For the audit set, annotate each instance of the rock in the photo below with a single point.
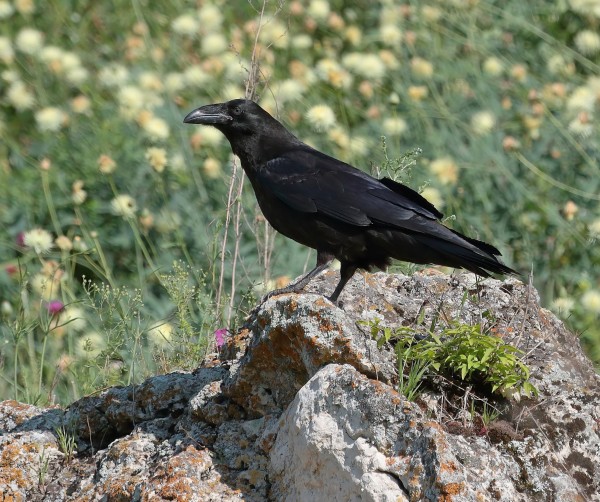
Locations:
(303, 406)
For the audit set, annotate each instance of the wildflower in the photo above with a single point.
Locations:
(582, 99)
(73, 319)
(445, 169)
(54, 307)
(421, 68)
(25, 6)
(78, 194)
(91, 344)
(81, 104)
(50, 119)
(194, 75)
(591, 301)
(364, 65)
(19, 96)
(210, 17)
(391, 35)
(570, 210)
(318, 10)
(76, 76)
(7, 53)
(581, 126)
(213, 44)
(433, 195)
(587, 42)
(394, 126)
(493, 66)
(156, 129)
(131, 100)
(146, 219)
(321, 117)
(559, 65)
(6, 9)
(174, 82)
(431, 14)
(220, 337)
(289, 90)
(274, 33)
(124, 205)
(210, 137)
(302, 41)
(510, 143)
(157, 158)
(29, 41)
(6, 308)
(150, 81)
(212, 168)
(106, 164)
(563, 305)
(161, 333)
(113, 75)
(519, 72)
(586, 7)
(38, 239)
(417, 92)
(167, 221)
(63, 243)
(353, 35)
(483, 122)
(185, 25)
(594, 229)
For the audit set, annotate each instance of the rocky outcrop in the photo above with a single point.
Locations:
(301, 405)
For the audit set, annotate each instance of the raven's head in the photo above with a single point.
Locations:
(236, 117)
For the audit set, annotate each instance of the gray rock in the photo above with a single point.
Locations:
(303, 406)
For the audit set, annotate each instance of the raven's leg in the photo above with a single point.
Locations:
(346, 272)
(323, 261)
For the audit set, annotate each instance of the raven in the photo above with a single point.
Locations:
(340, 211)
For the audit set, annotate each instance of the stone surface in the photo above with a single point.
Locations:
(303, 406)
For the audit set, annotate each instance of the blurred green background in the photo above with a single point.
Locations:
(124, 240)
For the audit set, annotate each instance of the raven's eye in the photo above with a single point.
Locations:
(237, 111)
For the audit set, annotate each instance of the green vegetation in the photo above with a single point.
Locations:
(127, 239)
(460, 352)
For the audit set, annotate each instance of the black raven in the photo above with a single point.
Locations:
(332, 207)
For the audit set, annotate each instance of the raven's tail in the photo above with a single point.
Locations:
(461, 251)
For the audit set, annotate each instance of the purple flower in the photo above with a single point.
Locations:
(220, 336)
(55, 306)
(20, 240)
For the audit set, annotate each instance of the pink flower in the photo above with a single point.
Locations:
(220, 336)
(55, 307)
(20, 240)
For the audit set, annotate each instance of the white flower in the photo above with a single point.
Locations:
(318, 9)
(563, 305)
(156, 129)
(587, 42)
(580, 127)
(210, 136)
(72, 319)
(421, 67)
(594, 229)
(289, 90)
(50, 119)
(586, 7)
(390, 35)
(63, 243)
(591, 301)
(39, 240)
(213, 44)
(161, 333)
(433, 195)
(583, 99)
(19, 96)
(113, 75)
(6, 9)
(77, 76)
(150, 81)
(274, 33)
(131, 99)
(483, 122)
(365, 65)
(321, 117)
(157, 158)
(174, 82)
(25, 6)
(124, 205)
(29, 41)
(7, 53)
(493, 66)
(185, 25)
(302, 41)
(394, 126)
(210, 17)
(91, 344)
(196, 76)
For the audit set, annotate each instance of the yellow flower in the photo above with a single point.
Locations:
(185, 25)
(570, 210)
(156, 128)
(29, 41)
(212, 168)
(214, 43)
(417, 92)
(63, 243)
(493, 66)
(19, 96)
(421, 68)
(106, 164)
(483, 122)
(587, 42)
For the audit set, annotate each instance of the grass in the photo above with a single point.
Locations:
(154, 241)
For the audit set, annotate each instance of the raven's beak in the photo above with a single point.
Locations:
(208, 115)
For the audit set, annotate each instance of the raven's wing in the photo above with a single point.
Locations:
(311, 182)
